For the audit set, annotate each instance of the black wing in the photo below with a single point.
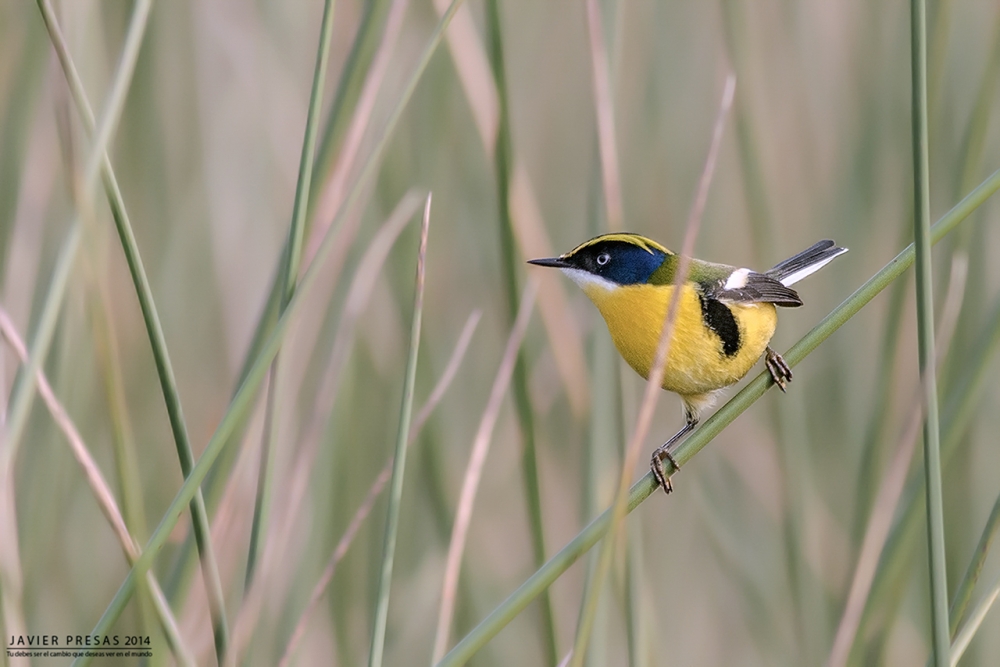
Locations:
(746, 286)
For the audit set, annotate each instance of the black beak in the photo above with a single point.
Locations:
(555, 262)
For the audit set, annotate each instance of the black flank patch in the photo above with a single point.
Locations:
(719, 319)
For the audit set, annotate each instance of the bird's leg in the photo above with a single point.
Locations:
(663, 452)
(779, 370)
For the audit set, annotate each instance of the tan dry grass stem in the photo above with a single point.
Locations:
(332, 197)
(473, 69)
(474, 470)
(972, 625)
(99, 487)
(604, 106)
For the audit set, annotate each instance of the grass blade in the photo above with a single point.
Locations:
(333, 190)
(972, 626)
(503, 162)
(604, 106)
(925, 335)
(345, 98)
(963, 593)
(543, 578)
(349, 90)
(290, 270)
(399, 461)
(379, 485)
(474, 471)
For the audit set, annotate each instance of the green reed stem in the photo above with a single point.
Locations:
(349, 86)
(529, 460)
(971, 627)
(925, 336)
(288, 273)
(963, 594)
(399, 460)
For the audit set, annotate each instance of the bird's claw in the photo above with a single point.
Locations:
(656, 465)
(780, 372)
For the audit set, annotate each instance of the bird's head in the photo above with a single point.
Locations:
(613, 260)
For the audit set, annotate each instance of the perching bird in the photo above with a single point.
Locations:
(725, 318)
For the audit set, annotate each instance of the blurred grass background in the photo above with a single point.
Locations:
(748, 563)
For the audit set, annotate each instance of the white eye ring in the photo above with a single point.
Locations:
(603, 259)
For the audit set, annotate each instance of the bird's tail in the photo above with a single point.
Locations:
(812, 259)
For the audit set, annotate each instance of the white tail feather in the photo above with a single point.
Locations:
(793, 278)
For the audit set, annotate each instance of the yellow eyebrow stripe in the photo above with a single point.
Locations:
(646, 244)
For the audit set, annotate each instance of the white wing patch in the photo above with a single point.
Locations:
(737, 279)
(793, 278)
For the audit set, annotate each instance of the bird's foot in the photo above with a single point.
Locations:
(656, 465)
(780, 372)
(663, 452)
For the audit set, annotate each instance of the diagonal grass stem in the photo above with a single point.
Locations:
(287, 276)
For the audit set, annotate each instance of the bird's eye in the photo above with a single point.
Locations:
(603, 259)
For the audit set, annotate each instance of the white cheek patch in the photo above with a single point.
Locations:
(587, 280)
(737, 279)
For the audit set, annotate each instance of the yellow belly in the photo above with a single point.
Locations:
(696, 363)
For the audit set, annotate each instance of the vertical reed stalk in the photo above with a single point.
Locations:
(399, 460)
(503, 161)
(925, 336)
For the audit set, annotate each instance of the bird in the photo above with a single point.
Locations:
(724, 323)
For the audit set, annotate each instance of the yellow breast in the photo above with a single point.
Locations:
(697, 362)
